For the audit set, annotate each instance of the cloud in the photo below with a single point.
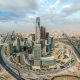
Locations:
(13, 9)
(52, 12)
(67, 9)
(18, 4)
(53, 7)
(70, 9)
(67, 6)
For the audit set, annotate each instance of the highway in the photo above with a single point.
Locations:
(8, 69)
(77, 53)
(66, 75)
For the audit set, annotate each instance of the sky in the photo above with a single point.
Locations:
(20, 15)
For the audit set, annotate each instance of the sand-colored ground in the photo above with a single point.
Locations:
(4, 75)
(67, 78)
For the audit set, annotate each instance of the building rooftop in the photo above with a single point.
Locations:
(47, 58)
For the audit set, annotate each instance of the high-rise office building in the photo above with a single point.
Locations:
(13, 36)
(43, 51)
(42, 42)
(33, 37)
(37, 54)
(37, 51)
(42, 32)
(10, 48)
(37, 37)
(49, 40)
(20, 58)
(18, 44)
(47, 48)
(52, 43)
(47, 35)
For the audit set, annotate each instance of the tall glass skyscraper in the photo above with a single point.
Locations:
(37, 54)
(37, 29)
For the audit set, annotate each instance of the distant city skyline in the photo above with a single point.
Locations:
(56, 15)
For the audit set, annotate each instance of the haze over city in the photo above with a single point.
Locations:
(56, 15)
(39, 39)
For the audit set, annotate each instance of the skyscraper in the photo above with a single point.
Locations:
(11, 48)
(18, 44)
(33, 37)
(37, 37)
(37, 54)
(52, 43)
(47, 35)
(37, 51)
(43, 32)
(42, 42)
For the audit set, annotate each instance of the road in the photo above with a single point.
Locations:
(77, 53)
(8, 69)
(66, 75)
